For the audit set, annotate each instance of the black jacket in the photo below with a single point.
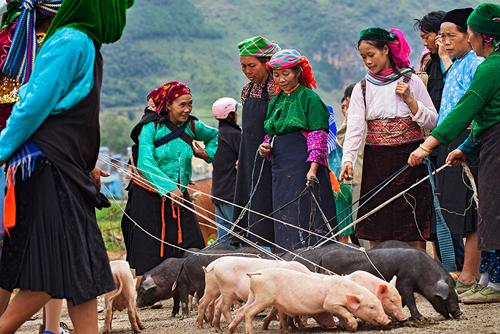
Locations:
(435, 83)
(224, 163)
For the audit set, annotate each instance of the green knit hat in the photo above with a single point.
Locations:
(375, 34)
(485, 19)
(257, 46)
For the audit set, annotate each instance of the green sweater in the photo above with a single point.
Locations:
(301, 110)
(479, 105)
(167, 165)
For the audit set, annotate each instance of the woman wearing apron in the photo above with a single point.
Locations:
(255, 97)
(296, 139)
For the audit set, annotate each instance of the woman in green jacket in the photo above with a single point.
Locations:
(480, 105)
(164, 160)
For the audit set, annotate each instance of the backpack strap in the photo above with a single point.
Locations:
(176, 132)
(363, 90)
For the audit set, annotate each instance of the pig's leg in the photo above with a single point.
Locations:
(205, 302)
(183, 296)
(108, 311)
(267, 320)
(252, 310)
(223, 307)
(346, 318)
(241, 313)
(190, 303)
(175, 308)
(227, 302)
(284, 322)
(132, 317)
(409, 299)
(139, 322)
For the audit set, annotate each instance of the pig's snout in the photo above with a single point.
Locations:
(401, 317)
(382, 320)
(456, 314)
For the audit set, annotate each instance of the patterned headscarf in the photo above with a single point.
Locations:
(257, 46)
(398, 45)
(290, 58)
(21, 57)
(166, 94)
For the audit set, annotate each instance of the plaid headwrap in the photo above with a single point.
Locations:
(257, 46)
(21, 58)
(290, 58)
(167, 93)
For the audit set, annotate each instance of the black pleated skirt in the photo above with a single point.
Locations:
(145, 208)
(289, 167)
(489, 190)
(455, 195)
(396, 220)
(56, 245)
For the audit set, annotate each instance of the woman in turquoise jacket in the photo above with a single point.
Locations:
(165, 151)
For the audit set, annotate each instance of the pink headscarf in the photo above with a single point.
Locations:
(400, 49)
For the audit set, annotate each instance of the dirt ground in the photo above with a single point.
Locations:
(478, 319)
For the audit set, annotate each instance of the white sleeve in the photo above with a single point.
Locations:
(426, 115)
(356, 120)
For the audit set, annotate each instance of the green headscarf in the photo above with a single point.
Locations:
(485, 19)
(11, 14)
(375, 34)
(102, 20)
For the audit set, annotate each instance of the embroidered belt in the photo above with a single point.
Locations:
(393, 131)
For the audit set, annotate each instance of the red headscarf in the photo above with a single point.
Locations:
(166, 94)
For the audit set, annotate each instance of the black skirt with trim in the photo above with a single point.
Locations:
(395, 221)
(56, 245)
(145, 208)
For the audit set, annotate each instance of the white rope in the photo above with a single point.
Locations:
(172, 245)
(468, 172)
(214, 222)
(230, 222)
(293, 226)
(378, 208)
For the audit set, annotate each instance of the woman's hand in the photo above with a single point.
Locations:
(311, 174)
(96, 175)
(403, 91)
(456, 157)
(176, 195)
(199, 151)
(346, 172)
(264, 149)
(417, 156)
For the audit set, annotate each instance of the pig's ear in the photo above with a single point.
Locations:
(382, 289)
(148, 283)
(442, 289)
(393, 280)
(353, 302)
